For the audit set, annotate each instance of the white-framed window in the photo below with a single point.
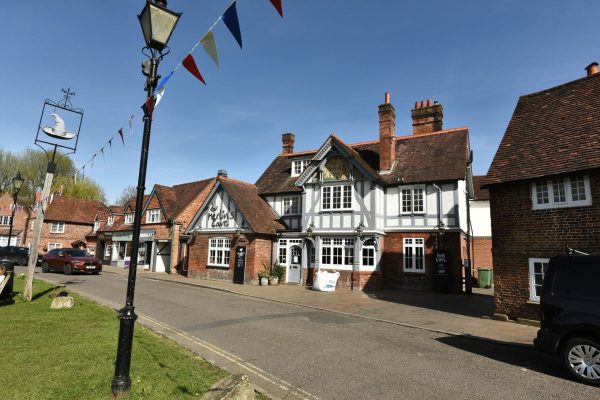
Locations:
(110, 220)
(572, 191)
(52, 246)
(368, 256)
(96, 225)
(337, 197)
(412, 200)
(298, 166)
(337, 252)
(218, 252)
(291, 205)
(129, 218)
(108, 250)
(282, 253)
(5, 219)
(537, 271)
(4, 241)
(414, 255)
(57, 227)
(153, 216)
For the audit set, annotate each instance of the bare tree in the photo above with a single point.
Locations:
(126, 195)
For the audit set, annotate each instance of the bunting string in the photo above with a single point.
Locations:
(208, 43)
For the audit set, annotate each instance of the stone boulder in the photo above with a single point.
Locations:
(234, 387)
(62, 302)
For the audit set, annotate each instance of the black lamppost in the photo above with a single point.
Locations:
(17, 183)
(158, 24)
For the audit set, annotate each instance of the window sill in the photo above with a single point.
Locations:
(419, 214)
(217, 266)
(413, 272)
(534, 302)
(341, 210)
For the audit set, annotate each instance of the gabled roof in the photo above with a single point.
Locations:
(433, 157)
(551, 132)
(175, 198)
(69, 209)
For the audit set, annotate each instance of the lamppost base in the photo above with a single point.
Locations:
(120, 387)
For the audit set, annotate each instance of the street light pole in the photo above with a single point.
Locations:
(157, 28)
(17, 182)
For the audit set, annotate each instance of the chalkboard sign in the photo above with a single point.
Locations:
(239, 270)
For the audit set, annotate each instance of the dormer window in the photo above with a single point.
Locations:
(129, 218)
(298, 166)
(153, 216)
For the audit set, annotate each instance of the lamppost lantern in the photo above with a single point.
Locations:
(158, 23)
(359, 230)
(17, 183)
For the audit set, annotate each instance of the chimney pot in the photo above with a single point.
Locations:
(222, 172)
(592, 68)
(429, 103)
(288, 140)
(416, 104)
(422, 104)
(387, 97)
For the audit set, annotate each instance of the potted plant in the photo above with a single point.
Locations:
(263, 277)
(279, 272)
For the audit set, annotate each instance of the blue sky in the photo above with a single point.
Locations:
(323, 68)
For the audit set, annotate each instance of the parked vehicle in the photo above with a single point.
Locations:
(19, 255)
(570, 315)
(70, 260)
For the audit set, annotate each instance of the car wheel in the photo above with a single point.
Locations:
(582, 359)
(68, 269)
(45, 267)
(23, 261)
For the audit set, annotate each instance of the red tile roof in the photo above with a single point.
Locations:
(258, 214)
(175, 198)
(551, 132)
(69, 209)
(438, 156)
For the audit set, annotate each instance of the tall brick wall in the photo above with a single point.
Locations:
(520, 233)
(482, 253)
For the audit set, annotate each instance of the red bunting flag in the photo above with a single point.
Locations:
(277, 5)
(189, 64)
(122, 138)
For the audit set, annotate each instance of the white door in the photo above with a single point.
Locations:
(294, 271)
(163, 255)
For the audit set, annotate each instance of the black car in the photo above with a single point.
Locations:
(19, 255)
(570, 315)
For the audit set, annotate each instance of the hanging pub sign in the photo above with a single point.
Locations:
(239, 270)
(440, 263)
(60, 123)
(219, 217)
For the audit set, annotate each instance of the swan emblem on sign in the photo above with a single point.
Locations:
(58, 131)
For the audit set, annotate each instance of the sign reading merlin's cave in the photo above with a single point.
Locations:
(219, 217)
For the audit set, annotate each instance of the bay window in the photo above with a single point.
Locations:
(337, 197)
(337, 252)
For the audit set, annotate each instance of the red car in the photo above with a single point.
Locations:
(69, 261)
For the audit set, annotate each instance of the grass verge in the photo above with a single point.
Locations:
(70, 354)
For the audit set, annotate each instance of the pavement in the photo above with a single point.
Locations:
(460, 315)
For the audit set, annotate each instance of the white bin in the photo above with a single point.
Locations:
(325, 281)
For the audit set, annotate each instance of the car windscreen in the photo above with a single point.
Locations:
(77, 253)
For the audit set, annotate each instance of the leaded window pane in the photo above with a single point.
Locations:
(541, 191)
(577, 188)
(406, 200)
(559, 191)
(418, 205)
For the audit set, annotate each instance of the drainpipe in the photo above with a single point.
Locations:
(439, 205)
(468, 266)
(172, 252)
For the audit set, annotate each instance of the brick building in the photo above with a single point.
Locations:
(166, 213)
(20, 233)
(544, 185)
(234, 226)
(481, 226)
(69, 222)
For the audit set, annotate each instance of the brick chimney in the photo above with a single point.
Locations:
(288, 142)
(427, 117)
(592, 68)
(387, 134)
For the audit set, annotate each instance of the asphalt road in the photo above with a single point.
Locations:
(293, 352)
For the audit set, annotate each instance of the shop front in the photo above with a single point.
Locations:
(120, 249)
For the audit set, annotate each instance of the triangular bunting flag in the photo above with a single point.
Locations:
(102, 151)
(131, 123)
(148, 106)
(277, 5)
(210, 46)
(189, 64)
(110, 143)
(159, 96)
(231, 21)
(122, 138)
(162, 82)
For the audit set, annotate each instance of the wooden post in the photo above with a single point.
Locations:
(37, 229)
